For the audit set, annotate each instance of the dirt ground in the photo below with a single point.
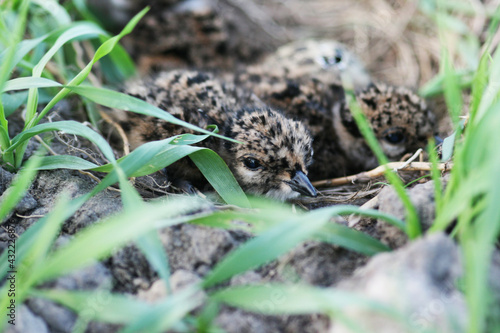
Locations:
(399, 45)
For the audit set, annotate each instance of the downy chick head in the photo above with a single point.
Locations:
(322, 60)
(274, 156)
(400, 119)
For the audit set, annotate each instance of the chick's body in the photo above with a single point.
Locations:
(275, 153)
(304, 79)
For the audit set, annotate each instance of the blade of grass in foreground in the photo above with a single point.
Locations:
(413, 228)
(102, 51)
(295, 299)
(18, 188)
(279, 239)
(98, 241)
(153, 156)
(117, 100)
(116, 309)
(70, 127)
(167, 313)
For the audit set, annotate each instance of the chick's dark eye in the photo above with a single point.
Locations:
(338, 56)
(252, 163)
(395, 137)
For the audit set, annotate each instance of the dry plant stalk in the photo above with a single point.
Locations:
(379, 171)
(121, 132)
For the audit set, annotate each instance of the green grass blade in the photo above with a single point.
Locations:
(28, 83)
(86, 29)
(150, 244)
(218, 175)
(21, 50)
(57, 11)
(479, 84)
(114, 232)
(12, 101)
(4, 138)
(350, 239)
(70, 34)
(19, 187)
(69, 127)
(267, 246)
(166, 314)
(5, 69)
(277, 299)
(117, 309)
(39, 248)
(102, 51)
(436, 176)
(117, 100)
(452, 90)
(65, 162)
(492, 90)
(18, 32)
(118, 67)
(413, 228)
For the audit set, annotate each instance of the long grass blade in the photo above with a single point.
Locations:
(102, 51)
(113, 233)
(69, 127)
(121, 101)
(19, 187)
(115, 309)
(413, 228)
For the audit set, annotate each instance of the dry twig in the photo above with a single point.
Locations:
(379, 171)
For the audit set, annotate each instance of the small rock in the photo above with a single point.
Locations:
(418, 281)
(97, 327)
(422, 197)
(27, 322)
(249, 277)
(233, 321)
(5, 179)
(182, 279)
(196, 248)
(131, 270)
(27, 203)
(156, 292)
(93, 277)
(320, 263)
(58, 318)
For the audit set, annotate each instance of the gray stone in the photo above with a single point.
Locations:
(96, 276)
(51, 184)
(26, 203)
(233, 321)
(182, 279)
(422, 197)
(5, 179)
(418, 281)
(319, 263)
(59, 319)
(27, 322)
(196, 248)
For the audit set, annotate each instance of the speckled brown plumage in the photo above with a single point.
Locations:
(304, 80)
(189, 33)
(275, 153)
(400, 119)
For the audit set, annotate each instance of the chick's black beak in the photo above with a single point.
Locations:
(300, 183)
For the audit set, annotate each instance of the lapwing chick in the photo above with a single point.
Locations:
(275, 152)
(401, 121)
